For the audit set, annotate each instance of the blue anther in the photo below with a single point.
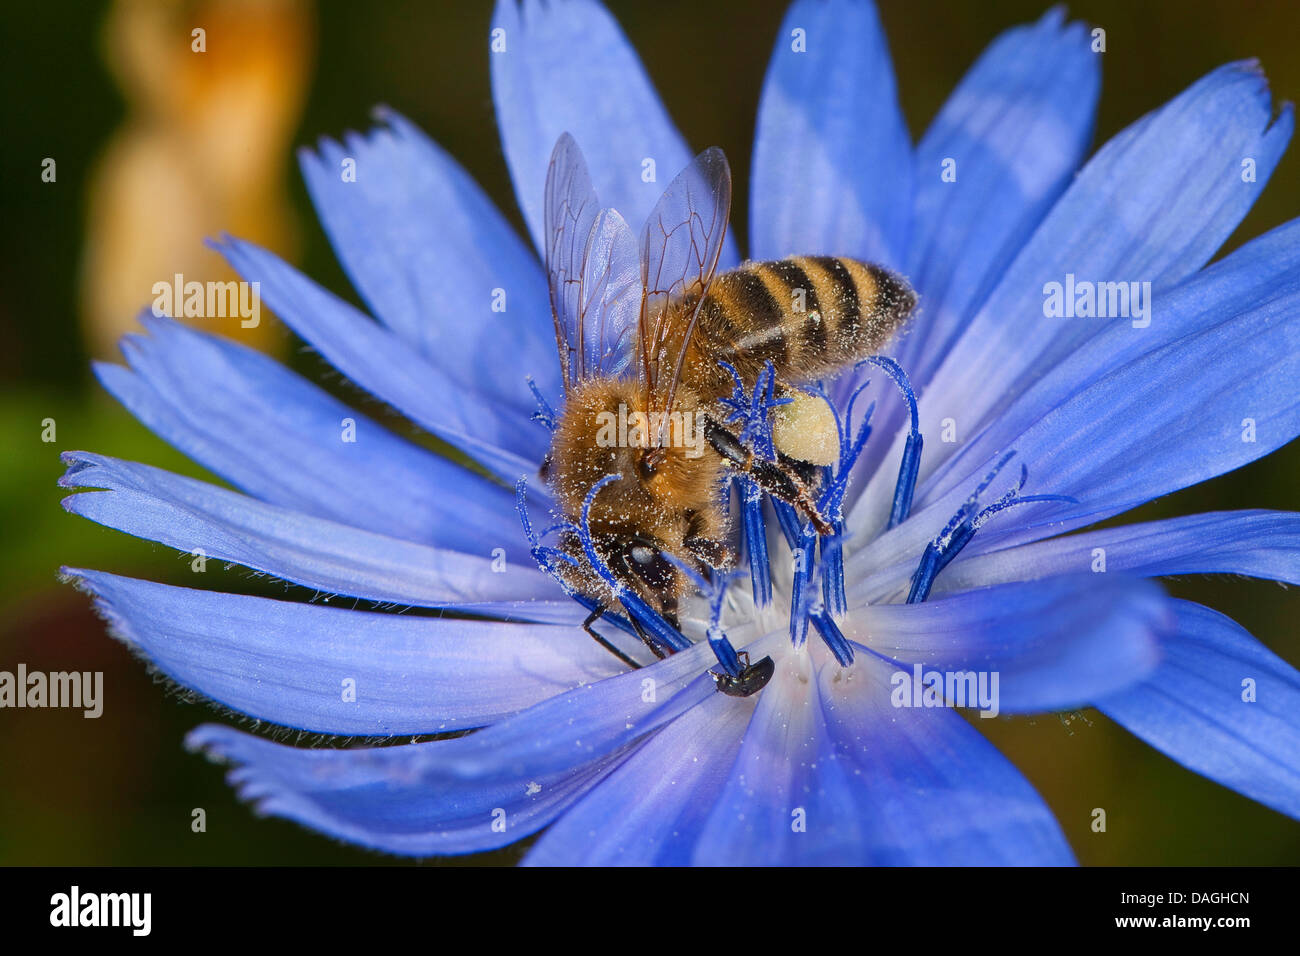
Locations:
(910, 466)
(755, 530)
(959, 530)
(834, 638)
(908, 469)
(832, 551)
(788, 521)
(754, 410)
(726, 655)
(801, 590)
(544, 414)
(521, 505)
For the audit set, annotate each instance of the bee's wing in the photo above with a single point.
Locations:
(593, 268)
(679, 253)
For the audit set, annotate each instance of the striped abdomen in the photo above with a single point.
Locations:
(810, 316)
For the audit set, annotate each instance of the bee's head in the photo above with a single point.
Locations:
(640, 564)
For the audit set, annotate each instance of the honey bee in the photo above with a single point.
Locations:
(643, 329)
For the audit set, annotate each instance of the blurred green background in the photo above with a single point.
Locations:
(120, 790)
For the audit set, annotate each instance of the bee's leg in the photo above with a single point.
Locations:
(769, 476)
(805, 471)
(594, 616)
(645, 638)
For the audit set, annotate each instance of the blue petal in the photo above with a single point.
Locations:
(831, 773)
(1152, 206)
(1195, 325)
(1196, 708)
(315, 552)
(832, 167)
(1055, 644)
(568, 68)
(1262, 544)
(1263, 274)
(1179, 414)
(572, 729)
(498, 432)
(288, 663)
(277, 436)
(377, 798)
(427, 250)
(1017, 128)
(439, 797)
(649, 811)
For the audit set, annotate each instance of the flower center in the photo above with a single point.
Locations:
(816, 547)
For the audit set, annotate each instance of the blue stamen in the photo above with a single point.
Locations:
(726, 655)
(801, 587)
(755, 410)
(788, 520)
(834, 638)
(544, 414)
(543, 554)
(653, 622)
(979, 520)
(832, 550)
(521, 505)
(588, 543)
(755, 528)
(959, 530)
(546, 556)
(831, 501)
(560, 526)
(830, 505)
(910, 466)
(715, 589)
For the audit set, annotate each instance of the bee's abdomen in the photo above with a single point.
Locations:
(810, 316)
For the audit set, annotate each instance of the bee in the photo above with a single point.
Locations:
(643, 329)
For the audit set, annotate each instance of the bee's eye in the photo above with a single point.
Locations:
(648, 564)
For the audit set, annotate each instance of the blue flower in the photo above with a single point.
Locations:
(654, 765)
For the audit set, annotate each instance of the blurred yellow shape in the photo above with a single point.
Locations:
(203, 149)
